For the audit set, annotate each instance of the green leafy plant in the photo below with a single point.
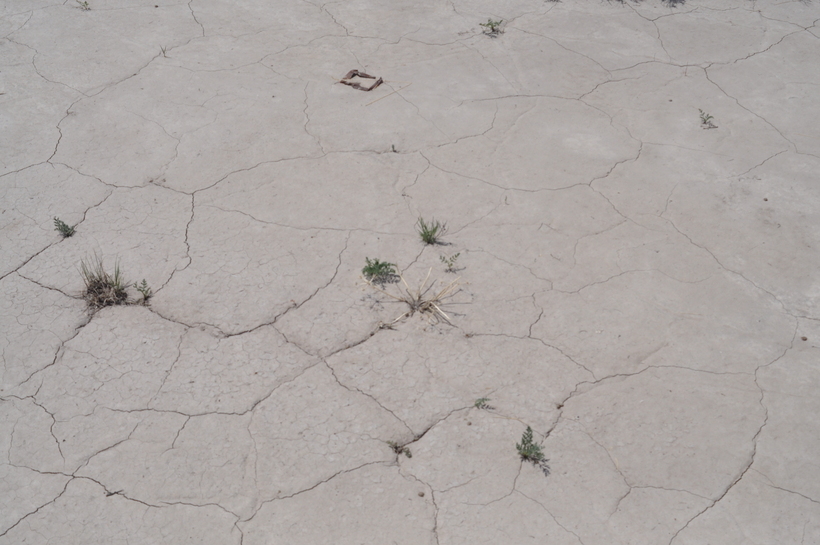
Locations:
(400, 449)
(101, 288)
(492, 28)
(422, 300)
(706, 120)
(162, 49)
(63, 228)
(431, 232)
(481, 403)
(450, 262)
(84, 5)
(530, 451)
(378, 271)
(145, 290)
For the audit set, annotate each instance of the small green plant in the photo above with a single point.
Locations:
(145, 290)
(378, 271)
(393, 148)
(492, 28)
(706, 120)
(400, 449)
(529, 451)
(63, 228)
(84, 5)
(481, 403)
(431, 232)
(450, 262)
(101, 288)
(162, 49)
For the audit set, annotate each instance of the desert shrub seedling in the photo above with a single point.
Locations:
(64, 229)
(377, 271)
(530, 451)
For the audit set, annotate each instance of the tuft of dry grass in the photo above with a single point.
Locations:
(423, 300)
(101, 288)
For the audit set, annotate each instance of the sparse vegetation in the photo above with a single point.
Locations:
(377, 271)
(145, 290)
(481, 403)
(83, 5)
(400, 449)
(530, 451)
(101, 288)
(64, 229)
(421, 300)
(450, 262)
(670, 3)
(431, 232)
(492, 28)
(706, 120)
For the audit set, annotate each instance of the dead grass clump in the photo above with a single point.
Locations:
(423, 300)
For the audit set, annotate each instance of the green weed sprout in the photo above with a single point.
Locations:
(706, 120)
(145, 290)
(400, 449)
(378, 271)
(431, 232)
(64, 229)
(529, 451)
(450, 262)
(481, 403)
(492, 28)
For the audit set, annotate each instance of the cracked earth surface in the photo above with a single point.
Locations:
(640, 290)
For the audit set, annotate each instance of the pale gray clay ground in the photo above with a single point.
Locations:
(637, 287)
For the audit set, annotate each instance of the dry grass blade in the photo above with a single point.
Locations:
(419, 301)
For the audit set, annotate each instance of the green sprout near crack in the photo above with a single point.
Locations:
(400, 449)
(450, 262)
(64, 229)
(706, 120)
(492, 28)
(482, 403)
(145, 290)
(84, 5)
(530, 451)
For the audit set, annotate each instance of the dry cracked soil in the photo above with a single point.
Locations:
(632, 192)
